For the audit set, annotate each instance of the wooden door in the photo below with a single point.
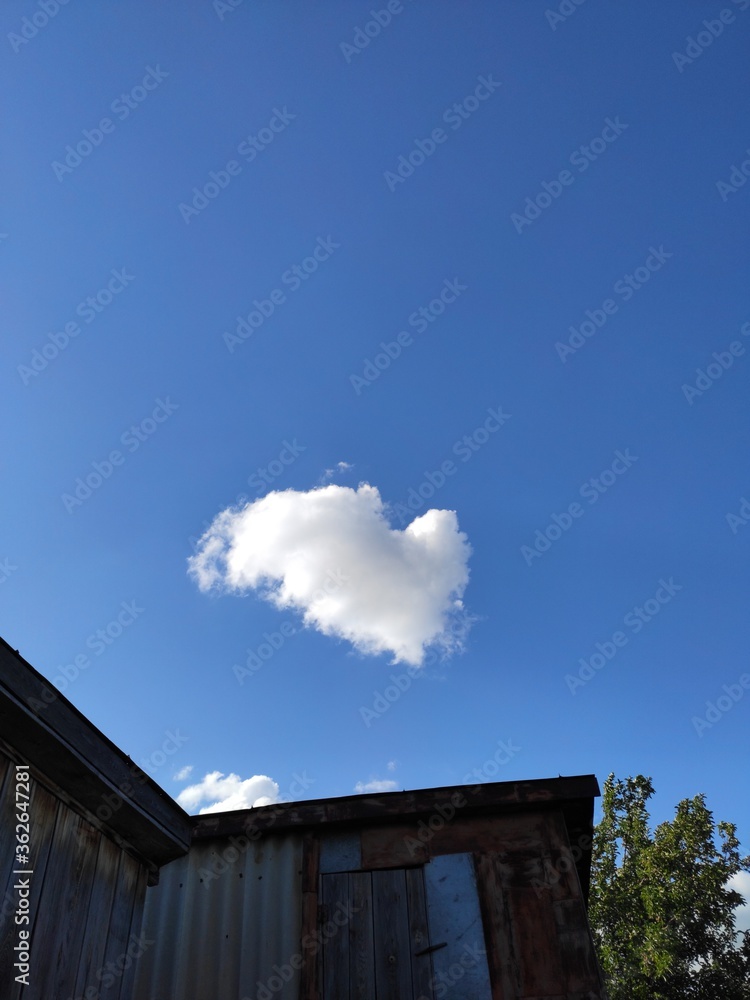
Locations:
(375, 938)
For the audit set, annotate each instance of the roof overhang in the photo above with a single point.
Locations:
(41, 728)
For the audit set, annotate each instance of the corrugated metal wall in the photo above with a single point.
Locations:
(86, 899)
(224, 923)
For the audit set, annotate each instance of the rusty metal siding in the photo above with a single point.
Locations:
(224, 922)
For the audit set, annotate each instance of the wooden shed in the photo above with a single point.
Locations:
(98, 830)
(473, 892)
(476, 892)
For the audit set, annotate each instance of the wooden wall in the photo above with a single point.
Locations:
(538, 938)
(87, 896)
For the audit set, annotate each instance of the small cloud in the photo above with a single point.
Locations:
(392, 765)
(184, 773)
(330, 473)
(332, 555)
(375, 785)
(225, 792)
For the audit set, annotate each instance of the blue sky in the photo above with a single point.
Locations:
(513, 174)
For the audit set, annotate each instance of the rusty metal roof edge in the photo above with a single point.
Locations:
(488, 797)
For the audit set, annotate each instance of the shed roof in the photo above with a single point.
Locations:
(49, 733)
(572, 796)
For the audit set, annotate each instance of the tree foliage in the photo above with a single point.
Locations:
(661, 911)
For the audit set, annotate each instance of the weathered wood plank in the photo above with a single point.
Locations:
(405, 844)
(580, 968)
(566, 858)
(139, 943)
(7, 844)
(130, 885)
(43, 812)
(98, 917)
(63, 903)
(361, 938)
(535, 939)
(391, 937)
(495, 918)
(335, 973)
(392, 847)
(517, 831)
(419, 934)
(311, 958)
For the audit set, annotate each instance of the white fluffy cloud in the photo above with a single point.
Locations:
(225, 792)
(331, 554)
(385, 785)
(184, 773)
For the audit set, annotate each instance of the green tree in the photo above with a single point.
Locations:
(660, 909)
